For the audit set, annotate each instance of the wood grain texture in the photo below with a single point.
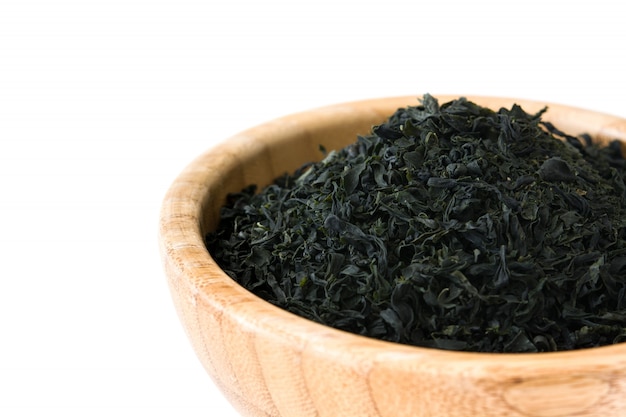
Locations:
(269, 362)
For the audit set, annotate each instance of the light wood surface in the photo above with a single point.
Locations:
(269, 362)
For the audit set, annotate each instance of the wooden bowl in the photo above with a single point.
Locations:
(269, 362)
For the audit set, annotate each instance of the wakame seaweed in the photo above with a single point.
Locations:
(451, 226)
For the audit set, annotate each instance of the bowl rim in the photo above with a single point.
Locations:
(181, 242)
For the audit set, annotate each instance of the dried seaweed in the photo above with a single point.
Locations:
(451, 226)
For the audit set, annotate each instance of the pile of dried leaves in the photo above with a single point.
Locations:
(451, 226)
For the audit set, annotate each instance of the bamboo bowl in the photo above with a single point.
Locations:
(269, 362)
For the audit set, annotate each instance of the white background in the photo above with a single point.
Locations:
(103, 102)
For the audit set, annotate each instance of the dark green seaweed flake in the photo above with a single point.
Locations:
(450, 226)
